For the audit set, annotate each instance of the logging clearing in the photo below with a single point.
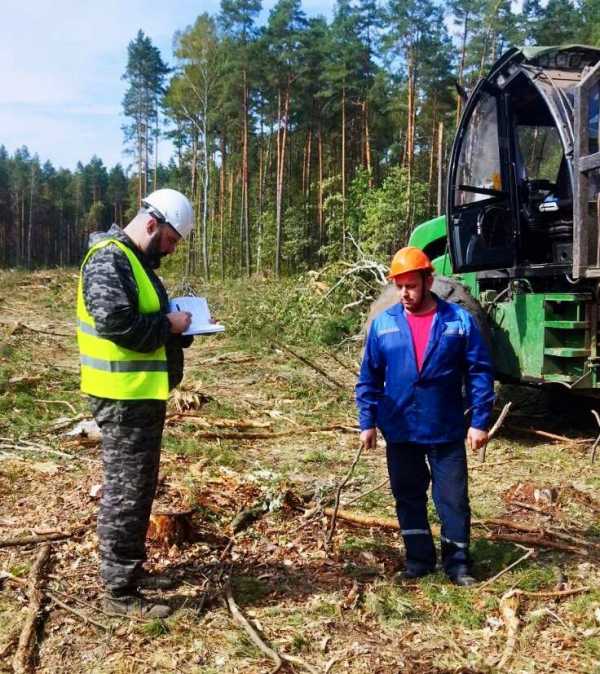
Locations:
(283, 537)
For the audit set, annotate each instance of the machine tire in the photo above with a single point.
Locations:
(448, 289)
(454, 291)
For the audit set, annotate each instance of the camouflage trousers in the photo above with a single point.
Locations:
(131, 438)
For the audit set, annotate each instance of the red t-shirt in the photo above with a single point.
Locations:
(420, 327)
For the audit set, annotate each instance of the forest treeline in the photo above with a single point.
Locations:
(298, 139)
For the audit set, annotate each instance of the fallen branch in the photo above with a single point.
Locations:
(277, 658)
(18, 324)
(529, 552)
(77, 613)
(555, 593)
(5, 575)
(352, 370)
(10, 642)
(251, 632)
(27, 446)
(32, 540)
(22, 661)
(530, 506)
(58, 402)
(339, 493)
(216, 435)
(538, 541)
(195, 418)
(597, 440)
(366, 493)
(552, 436)
(495, 428)
(509, 607)
(364, 520)
(316, 368)
(210, 575)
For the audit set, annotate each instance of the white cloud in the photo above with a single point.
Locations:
(62, 63)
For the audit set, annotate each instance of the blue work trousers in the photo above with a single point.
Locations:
(410, 476)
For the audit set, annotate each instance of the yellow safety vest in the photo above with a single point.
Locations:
(109, 370)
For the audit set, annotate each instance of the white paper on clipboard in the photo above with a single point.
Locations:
(198, 307)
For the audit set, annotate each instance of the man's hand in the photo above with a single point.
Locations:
(476, 438)
(368, 438)
(180, 321)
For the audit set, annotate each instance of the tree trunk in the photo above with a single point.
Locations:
(30, 225)
(440, 180)
(222, 207)
(281, 142)
(343, 171)
(245, 179)
(320, 204)
(155, 181)
(410, 136)
(432, 156)
(461, 69)
(368, 143)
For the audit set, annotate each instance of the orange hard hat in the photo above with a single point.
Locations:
(409, 259)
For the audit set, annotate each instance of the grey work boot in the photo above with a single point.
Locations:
(151, 581)
(135, 605)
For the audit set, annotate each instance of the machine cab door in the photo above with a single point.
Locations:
(586, 203)
(481, 232)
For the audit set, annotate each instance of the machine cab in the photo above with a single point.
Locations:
(524, 174)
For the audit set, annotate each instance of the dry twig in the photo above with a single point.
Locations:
(22, 661)
(277, 658)
(251, 632)
(316, 368)
(339, 493)
(597, 440)
(509, 607)
(366, 493)
(529, 552)
(495, 428)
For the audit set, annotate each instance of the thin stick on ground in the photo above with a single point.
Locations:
(366, 493)
(22, 662)
(597, 440)
(556, 594)
(33, 540)
(529, 552)
(316, 368)
(251, 632)
(509, 608)
(495, 428)
(338, 494)
(5, 575)
(277, 658)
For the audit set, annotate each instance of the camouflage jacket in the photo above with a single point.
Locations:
(111, 297)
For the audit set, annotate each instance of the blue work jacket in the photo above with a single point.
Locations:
(427, 406)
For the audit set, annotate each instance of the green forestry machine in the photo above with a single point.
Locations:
(520, 241)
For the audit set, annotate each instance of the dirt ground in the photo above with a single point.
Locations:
(256, 430)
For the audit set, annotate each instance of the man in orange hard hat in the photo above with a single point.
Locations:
(419, 355)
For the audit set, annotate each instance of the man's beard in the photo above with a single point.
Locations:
(153, 254)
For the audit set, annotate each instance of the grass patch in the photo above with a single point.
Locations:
(534, 578)
(390, 605)
(155, 628)
(249, 590)
(225, 453)
(316, 456)
(242, 646)
(490, 557)
(458, 603)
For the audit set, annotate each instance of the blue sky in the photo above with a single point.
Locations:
(62, 61)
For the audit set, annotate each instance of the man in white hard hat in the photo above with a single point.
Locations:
(131, 356)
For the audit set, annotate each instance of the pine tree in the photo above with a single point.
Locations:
(145, 73)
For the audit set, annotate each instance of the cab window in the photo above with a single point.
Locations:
(479, 159)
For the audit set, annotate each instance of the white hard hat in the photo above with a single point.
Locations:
(172, 207)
